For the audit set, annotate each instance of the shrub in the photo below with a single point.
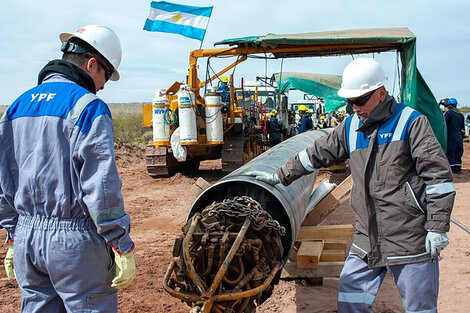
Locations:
(128, 129)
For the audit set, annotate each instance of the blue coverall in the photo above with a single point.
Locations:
(455, 132)
(305, 124)
(60, 194)
(275, 129)
(224, 92)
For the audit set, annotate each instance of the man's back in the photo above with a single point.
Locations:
(40, 134)
(305, 124)
(455, 125)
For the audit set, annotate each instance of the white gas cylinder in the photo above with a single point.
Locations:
(187, 116)
(161, 129)
(214, 120)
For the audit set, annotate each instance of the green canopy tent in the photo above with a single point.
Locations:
(414, 90)
(320, 85)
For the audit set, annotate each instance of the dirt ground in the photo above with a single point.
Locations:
(158, 209)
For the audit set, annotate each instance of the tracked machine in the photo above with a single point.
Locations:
(208, 129)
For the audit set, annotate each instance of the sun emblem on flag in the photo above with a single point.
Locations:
(177, 17)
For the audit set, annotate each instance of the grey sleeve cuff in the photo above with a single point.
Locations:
(439, 223)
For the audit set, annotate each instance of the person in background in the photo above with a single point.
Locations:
(323, 122)
(334, 120)
(305, 122)
(60, 191)
(275, 129)
(402, 192)
(455, 133)
(224, 90)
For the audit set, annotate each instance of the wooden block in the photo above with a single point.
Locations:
(330, 282)
(335, 245)
(199, 186)
(332, 256)
(324, 269)
(323, 232)
(337, 196)
(337, 167)
(309, 254)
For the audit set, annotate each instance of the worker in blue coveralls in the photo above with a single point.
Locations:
(402, 192)
(305, 122)
(60, 192)
(455, 133)
(224, 90)
(275, 129)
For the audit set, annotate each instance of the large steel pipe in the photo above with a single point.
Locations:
(286, 204)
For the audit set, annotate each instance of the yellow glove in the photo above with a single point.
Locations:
(125, 269)
(9, 261)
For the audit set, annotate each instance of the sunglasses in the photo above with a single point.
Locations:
(72, 47)
(107, 71)
(361, 100)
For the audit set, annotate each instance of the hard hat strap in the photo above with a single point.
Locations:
(72, 47)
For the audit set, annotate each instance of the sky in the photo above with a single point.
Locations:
(29, 38)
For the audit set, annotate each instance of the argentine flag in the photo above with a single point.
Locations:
(180, 19)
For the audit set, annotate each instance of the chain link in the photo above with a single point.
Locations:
(244, 207)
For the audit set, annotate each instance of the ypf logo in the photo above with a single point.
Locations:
(42, 96)
(386, 135)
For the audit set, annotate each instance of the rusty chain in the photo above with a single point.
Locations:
(244, 207)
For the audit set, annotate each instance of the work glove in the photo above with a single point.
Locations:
(9, 269)
(268, 178)
(436, 242)
(125, 269)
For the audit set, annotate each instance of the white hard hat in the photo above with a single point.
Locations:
(104, 40)
(361, 76)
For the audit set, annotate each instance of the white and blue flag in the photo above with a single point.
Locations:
(189, 21)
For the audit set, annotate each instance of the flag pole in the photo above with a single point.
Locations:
(200, 46)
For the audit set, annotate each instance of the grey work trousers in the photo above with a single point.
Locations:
(418, 285)
(63, 265)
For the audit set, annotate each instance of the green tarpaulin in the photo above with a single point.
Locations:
(319, 85)
(414, 90)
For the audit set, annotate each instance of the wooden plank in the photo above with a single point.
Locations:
(309, 254)
(323, 232)
(330, 282)
(336, 197)
(324, 269)
(335, 245)
(199, 186)
(332, 256)
(336, 167)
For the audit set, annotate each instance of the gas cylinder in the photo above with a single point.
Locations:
(161, 129)
(214, 122)
(187, 116)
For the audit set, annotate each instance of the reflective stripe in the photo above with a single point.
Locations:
(78, 108)
(405, 114)
(304, 159)
(353, 133)
(434, 310)
(359, 248)
(414, 197)
(440, 188)
(355, 297)
(4, 117)
(406, 256)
